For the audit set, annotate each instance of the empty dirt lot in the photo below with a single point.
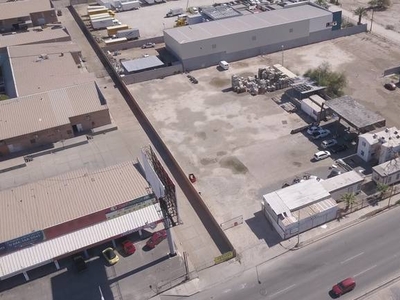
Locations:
(239, 146)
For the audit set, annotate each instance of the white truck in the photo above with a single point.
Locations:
(175, 12)
(129, 5)
(129, 34)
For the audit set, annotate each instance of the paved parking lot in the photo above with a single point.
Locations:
(139, 276)
(240, 146)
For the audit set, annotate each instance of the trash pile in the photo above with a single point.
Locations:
(268, 79)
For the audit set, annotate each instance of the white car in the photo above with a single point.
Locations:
(321, 134)
(312, 129)
(328, 143)
(320, 155)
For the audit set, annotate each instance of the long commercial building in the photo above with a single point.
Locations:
(44, 221)
(205, 44)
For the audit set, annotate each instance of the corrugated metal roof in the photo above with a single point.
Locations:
(34, 75)
(41, 111)
(245, 23)
(23, 8)
(29, 258)
(296, 196)
(56, 200)
(143, 63)
(33, 37)
(342, 181)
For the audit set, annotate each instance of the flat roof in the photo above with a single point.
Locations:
(15, 9)
(342, 181)
(33, 113)
(388, 168)
(33, 37)
(354, 113)
(220, 12)
(34, 74)
(296, 196)
(312, 104)
(390, 136)
(28, 258)
(143, 63)
(219, 28)
(52, 201)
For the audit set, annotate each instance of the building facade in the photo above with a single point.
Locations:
(380, 146)
(203, 45)
(387, 173)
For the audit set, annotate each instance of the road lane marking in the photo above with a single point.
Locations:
(282, 291)
(353, 257)
(362, 272)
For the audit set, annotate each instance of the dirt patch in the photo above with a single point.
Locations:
(234, 164)
(208, 161)
(221, 153)
(219, 82)
(201, 135)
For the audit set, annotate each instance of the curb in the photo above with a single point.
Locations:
(380, 287)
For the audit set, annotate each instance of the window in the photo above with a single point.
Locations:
(253, 38)
(214, 46)
(291, 30)
(364, 144)
(33, 141)
(362, 153)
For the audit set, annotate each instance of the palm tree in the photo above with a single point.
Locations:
(360, 12)
(349, 199)
(382, 189)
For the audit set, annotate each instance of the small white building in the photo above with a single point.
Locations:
(349, 182)
(311, 108)
(379, 146)
(299, 207)
(387, 173)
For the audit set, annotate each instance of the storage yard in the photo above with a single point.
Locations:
(239, 146)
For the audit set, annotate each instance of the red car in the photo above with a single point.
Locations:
(129, 247)
(156, 238)
(344, 286)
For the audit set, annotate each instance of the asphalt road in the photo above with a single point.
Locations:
(369, 252)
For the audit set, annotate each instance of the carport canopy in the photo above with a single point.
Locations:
(141, 64)
(356, 114)
(40, 254)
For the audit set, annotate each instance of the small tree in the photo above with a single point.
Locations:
(349, 199)
(360, 12)
(321, 3)
(324, 76)
(382, 189)
(379, 4)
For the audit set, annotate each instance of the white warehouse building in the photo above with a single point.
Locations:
(205, 44)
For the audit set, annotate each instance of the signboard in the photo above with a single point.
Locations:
(117, 212)
(224, 257)
(22, 242)
(152, 178)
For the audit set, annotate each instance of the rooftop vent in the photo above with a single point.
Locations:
(44, 56)
(375, 136)
(396, 132)
(387, 130)
(398, 136)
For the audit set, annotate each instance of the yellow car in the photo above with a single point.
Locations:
(110, 256)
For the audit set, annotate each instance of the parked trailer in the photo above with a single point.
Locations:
(175, 12)
(92, 7)
(97, 11)
(114, 41)
(103, 23)
(129, 34)
(100, 16)
(129, 5)
(112, 30)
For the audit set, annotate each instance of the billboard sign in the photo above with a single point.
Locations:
(22, 242)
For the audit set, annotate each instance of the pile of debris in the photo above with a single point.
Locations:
(269, 79)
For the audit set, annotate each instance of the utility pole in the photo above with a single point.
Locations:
(372, 19)
(282, 47)
(298, 231)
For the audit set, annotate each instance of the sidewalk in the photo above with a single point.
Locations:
(377, 29)
(251, 258)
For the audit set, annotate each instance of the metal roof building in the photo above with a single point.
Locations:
(43, 67)
(16, 9)
(141, 64)
(55, 217)
(356, 114)
(204, 44)
(299, 207)
(51, 109)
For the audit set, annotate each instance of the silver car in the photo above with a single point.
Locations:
(328, 143)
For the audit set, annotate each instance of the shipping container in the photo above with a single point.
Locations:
(114, 41)
(112, 30)
(103, 23)
(175, 12)
(100, 16)
(129, 5)
(97, 11)
(129, 34)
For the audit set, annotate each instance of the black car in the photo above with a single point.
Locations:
(391, 86)
(80, 263)
(338, 148)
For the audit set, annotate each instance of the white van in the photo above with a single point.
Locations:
(224, 65)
